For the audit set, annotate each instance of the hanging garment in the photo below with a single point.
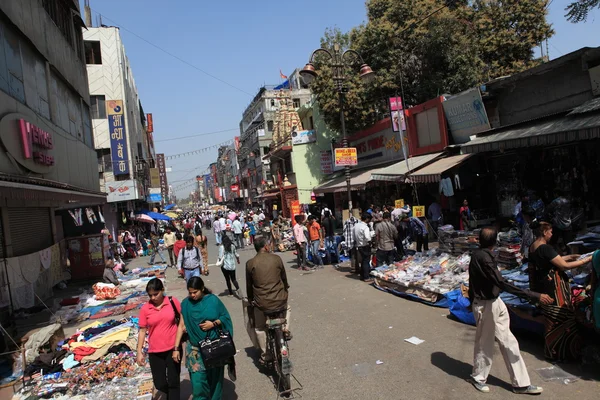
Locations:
(76, 215)
(30, 267)
(46, 257)
(91, 216)
(446, 187)
(457, 182)
(100, 215)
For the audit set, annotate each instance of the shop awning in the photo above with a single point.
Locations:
(270, 195)
(358, 181)
(432, 173)
(546, 132)
(397, 172)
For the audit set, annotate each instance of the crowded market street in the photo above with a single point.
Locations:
(342, 327)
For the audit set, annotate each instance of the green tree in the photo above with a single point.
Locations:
(579, 10)
(428, 49)
(507, 32)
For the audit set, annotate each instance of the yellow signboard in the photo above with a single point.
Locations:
(154, 177)
(399, 203)
(418, 211)
(346, 157)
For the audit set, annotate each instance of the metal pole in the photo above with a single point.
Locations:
(345, 144)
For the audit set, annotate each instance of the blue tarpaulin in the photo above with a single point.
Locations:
(169, 206)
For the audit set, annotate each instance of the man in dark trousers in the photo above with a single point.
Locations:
(492, 319)
(362, 237)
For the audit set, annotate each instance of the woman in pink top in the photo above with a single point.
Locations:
(159, 318)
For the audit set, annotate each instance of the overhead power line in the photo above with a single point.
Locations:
(196, 135)
(174, 56)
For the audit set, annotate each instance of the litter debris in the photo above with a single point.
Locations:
(390, 327)
(378, 362)
(556, 374)
(414, 340)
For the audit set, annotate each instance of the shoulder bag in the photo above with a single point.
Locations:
(184, 338)
(217, 352)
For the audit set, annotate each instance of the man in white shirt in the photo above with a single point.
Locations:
(362, 240)
(237, 231)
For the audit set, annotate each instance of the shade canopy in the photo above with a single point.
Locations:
(433, 172)
(144, 218)
(358, 181)
(397, 172)
(156, 216)
(169, 206)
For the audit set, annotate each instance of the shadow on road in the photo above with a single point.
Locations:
(228, 390)
(462, 370)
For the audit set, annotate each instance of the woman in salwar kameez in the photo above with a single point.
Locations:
(201, 312)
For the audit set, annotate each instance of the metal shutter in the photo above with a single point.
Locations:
(1, 239)
(30, 229)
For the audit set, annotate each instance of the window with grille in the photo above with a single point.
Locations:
(98, 107)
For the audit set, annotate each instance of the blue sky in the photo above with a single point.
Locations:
(245, 44)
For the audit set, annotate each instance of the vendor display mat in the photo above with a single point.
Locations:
(414, 293)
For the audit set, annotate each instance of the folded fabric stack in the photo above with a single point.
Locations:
(510, 238)
(589, 240)
(458, 242)
(509, 257)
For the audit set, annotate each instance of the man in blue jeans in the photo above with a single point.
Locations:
(330, 242)
(316, 239)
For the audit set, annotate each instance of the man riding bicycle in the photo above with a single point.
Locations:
(267, 289)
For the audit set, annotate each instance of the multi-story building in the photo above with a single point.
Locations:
(48, 162)
(256, 134)
(48, 165)
(123, 147)
(228, 176)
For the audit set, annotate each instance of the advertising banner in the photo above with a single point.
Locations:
(162, 174)
(466, 115)
(150, 123)
(295, 209)
(346, 157)
(122, 191)
(118, 137)
(418, 211)
(399, 203)
(154, 177)
(303, 137)
(326, 162)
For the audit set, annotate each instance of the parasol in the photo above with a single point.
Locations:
(144, 218)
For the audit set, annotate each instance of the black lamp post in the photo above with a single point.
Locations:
(338, 61)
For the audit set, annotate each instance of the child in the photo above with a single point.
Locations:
(252, 229)
(247, 237)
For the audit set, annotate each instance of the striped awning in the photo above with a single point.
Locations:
(433, 172)
(397, 172)
(546, 132)
(358, 181)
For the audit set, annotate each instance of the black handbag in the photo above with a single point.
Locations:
(217, 352)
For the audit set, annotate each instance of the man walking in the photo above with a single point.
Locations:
(155, 249)
(386, 234)
(169, 239)
(492, 318)
(330, 242)
(316, 239)
(351, 243)
(363, 236)
(189, 260)
(300, 243)
(217, 229)
(238, 232)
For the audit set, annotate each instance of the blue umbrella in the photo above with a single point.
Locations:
(156, 216)
(169, 206)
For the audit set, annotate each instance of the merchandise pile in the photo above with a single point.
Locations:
(98, 360)
(590, 240)
(106, 300)
(457, 242)
(509, 257)
(435, 272)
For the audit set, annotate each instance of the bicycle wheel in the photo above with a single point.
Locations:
(283, 363)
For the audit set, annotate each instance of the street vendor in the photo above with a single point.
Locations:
(109, 275)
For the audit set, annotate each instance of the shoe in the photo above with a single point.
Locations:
(287, 335)
(482, 387)
(531, 389)
(369, 281)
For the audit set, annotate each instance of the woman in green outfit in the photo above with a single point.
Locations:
(201, 312)
(596, 289)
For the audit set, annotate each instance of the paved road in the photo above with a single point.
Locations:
(342, 327)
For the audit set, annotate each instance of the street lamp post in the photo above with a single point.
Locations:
(338, 61)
